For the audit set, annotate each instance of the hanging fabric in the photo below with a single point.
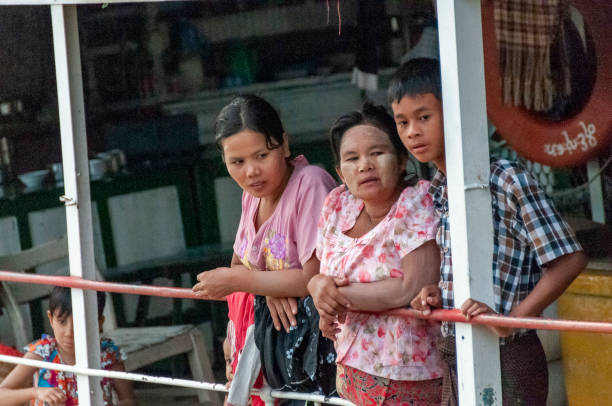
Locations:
(525, 31)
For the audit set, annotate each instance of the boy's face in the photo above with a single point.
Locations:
(420, 126)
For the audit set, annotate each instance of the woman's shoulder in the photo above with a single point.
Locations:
(313, 174)
(413, 203)
(417, 193)
(334, 202)
(337, 197)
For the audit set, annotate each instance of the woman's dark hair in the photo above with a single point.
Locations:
(415, 77)
(60, 300)
(369, 114)
(249, 112)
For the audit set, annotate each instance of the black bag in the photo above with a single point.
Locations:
(301, 360)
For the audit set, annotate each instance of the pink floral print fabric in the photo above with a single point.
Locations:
(386, 346)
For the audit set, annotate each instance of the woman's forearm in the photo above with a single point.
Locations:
(220, 282)
(374, 296)
(284, 283)
(288, 283)
(420, 267)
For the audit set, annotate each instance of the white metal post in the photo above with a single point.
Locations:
(467, 167)
(595, 191)
(77, 196)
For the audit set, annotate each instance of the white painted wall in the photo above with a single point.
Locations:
(147, 225)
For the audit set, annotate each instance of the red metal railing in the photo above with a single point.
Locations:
(441, 315)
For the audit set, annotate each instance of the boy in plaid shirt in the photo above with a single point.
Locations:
(535, 255)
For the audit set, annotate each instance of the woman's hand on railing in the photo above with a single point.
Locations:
(283, 311)
(215, 283)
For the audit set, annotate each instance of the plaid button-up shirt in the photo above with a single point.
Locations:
(528, 233)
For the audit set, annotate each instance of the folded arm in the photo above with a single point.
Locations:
(420, 267)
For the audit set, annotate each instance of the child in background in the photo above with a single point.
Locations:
(535, 256)
(57, 388)
(228, 353)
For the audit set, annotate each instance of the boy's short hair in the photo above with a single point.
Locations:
(415, 77)
(60, 301)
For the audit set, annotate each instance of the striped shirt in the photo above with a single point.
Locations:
(528, 233)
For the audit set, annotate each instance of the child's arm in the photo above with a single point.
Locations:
(123, 387)
(14, 390)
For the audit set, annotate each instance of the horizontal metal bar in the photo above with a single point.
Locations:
(79, 283)
(453, 315)
(185, 383)
(537, 323)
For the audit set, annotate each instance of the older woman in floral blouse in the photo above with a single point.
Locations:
(376, 240)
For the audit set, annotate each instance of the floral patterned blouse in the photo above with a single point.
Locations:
(387, 346)
(46, 348)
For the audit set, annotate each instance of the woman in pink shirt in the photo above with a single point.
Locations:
(281, 204)
(377, 228)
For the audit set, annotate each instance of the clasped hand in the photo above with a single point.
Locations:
(330, 303)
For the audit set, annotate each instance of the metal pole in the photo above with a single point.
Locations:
(467, 167)
(596, 192)
(77, 196)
